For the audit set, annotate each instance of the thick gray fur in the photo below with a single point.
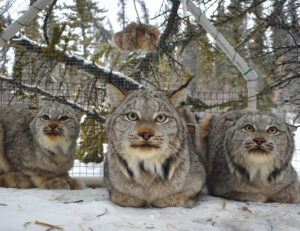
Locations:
(36, 152)
(241, 168)
(168, 175)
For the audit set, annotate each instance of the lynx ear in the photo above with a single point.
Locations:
(80, 114)
(233, 116)
(179, 97)
(292, 128)
(114, 96)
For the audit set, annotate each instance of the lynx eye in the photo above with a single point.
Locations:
(272, 130)
(132, 116)
(63, 118)
(45, 117)
(249, 128)
(161, 118)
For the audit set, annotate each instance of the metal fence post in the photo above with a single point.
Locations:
(248, 72)
(24, 20)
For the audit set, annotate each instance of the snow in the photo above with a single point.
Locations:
(90, 209)
(296, 158)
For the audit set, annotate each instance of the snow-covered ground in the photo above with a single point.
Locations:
(90, 209)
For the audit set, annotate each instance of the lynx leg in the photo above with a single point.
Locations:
(15, 180)
(290, 194)
(123, 199)
(48, 182)
(185, 199)
(241, 196)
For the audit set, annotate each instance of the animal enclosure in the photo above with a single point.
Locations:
(73, 70)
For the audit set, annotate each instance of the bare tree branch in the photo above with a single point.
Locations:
(46, 20)
(91, 114)
(101, 73)
(163, 47)
(280, 82)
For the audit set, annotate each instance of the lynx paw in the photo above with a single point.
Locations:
(15, 180)
(240, 196)
(290, 194)
(75, 184)
(185, 199)
(127, 200)
(55, 183)
(163, 202)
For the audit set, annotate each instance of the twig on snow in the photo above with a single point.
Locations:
(102, 214)
(70, 202)
(48, 225)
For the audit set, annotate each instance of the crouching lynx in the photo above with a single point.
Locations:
(137, 36)
(249, 156)
(150, 161)
(38, 151)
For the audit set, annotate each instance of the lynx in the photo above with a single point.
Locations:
(249, 158)
(137, 36)
(151, 160)
(38, 150)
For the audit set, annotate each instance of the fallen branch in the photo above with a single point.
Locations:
(48, 225)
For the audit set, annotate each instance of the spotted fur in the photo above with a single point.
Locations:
(248, 162)
(150, 162)
(137, 36)
(38, 149)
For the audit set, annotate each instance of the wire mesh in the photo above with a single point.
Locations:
(82, 82)
(10, 94)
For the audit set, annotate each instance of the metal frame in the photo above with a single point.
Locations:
(24, 20)
(248, 72)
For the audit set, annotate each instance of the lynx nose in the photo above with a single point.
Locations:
(259, 140)
(145, 135)
(52, 126)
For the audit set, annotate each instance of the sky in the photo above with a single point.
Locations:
(17, 6)
(112, 7)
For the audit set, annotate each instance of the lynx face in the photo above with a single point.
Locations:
(145, 129)
(137, 36)
(259, 143)
(55, 127)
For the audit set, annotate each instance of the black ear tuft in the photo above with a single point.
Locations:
(179, 96)
(183, 86)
